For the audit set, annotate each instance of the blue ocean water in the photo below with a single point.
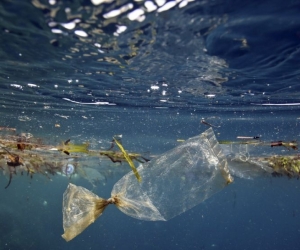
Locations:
(151, 71)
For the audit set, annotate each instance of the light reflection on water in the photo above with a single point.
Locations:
(175, 58)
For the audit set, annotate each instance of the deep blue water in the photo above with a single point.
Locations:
(233, 63)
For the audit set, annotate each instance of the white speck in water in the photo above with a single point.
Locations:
(167, 6)
(150, 6)
(153, 87)
(160, 2)
(17, 86)
(81, 33)
(31, 85)
(23, 118)
(56, 31)
(135, 14)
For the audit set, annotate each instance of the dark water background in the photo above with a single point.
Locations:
(153, 83)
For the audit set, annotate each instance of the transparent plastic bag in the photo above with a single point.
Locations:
(171, 184)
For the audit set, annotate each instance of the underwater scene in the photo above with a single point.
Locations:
(149, 124)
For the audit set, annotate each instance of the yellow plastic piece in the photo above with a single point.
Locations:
(128, 159)
(75, 148)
